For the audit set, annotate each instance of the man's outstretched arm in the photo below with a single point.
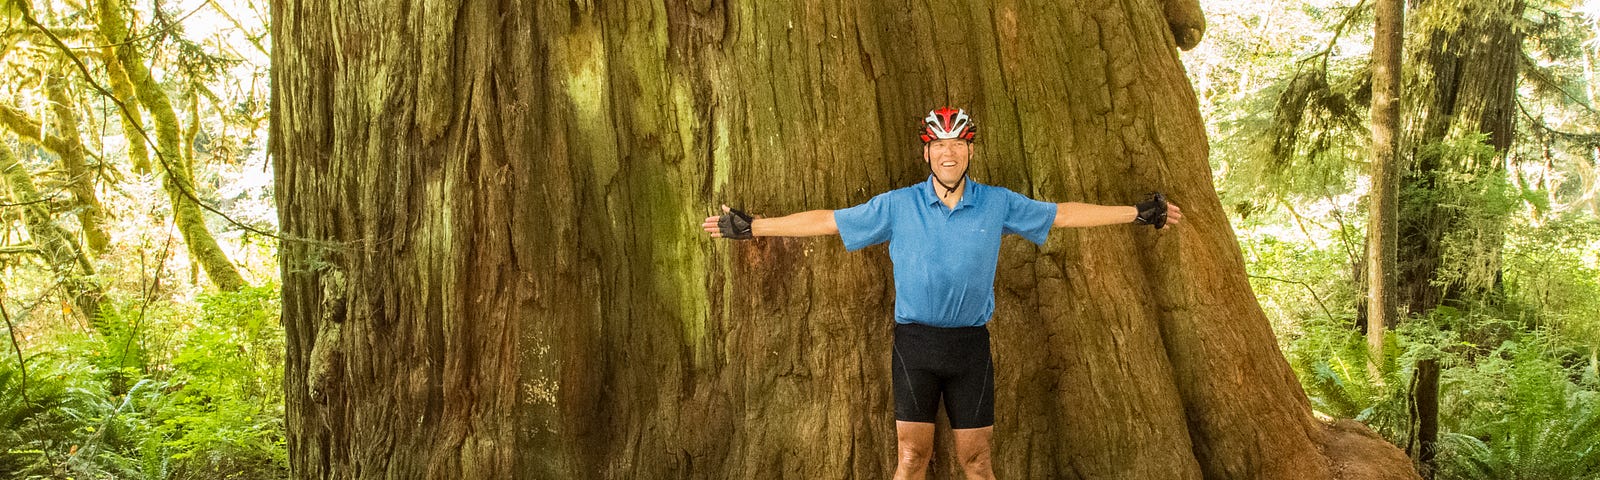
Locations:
(803, 224)
(1074, 214)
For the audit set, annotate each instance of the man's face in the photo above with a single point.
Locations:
(948, 158)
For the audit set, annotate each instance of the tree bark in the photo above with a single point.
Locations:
(132, 119)
(1383, 201)
(493, 263)
(1425, 414)
(179, 178)
(1468, 73)
(80, 180)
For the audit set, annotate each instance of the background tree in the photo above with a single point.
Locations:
(1284, 158)
(1467, 61)
(80, 178)
(131, 372)
(172, 159)
(492, 259)
(1383, 200)
(62, 254)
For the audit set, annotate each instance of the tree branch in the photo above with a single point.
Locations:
(16, 249)
(1338, 31)
(11, 328)
(184, 189)
(31, 130)
(1314, 295)
(140, 38)
(48, 199)
(254, 39)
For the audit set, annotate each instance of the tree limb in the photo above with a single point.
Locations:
(11, 328)
(1314, 295)
(31, 130)
(16, 249)
(1187, 21)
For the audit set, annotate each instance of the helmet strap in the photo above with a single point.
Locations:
(948, 189)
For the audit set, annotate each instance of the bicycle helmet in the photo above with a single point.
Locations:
(945, 123)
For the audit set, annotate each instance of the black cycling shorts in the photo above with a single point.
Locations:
(953, 363)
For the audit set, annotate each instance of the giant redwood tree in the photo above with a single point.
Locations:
(1460, 130)
(492, 266)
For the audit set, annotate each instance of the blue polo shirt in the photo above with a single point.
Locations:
(944, 258)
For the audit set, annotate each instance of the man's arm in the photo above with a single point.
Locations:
(1074, 214)
(803, 224)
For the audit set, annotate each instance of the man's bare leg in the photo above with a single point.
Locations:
(916, 447)
(972, 447)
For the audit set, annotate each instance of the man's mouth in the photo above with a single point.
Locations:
(948, 164)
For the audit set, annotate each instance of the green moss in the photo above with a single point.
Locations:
(58, 246)
(132, 119)
(587, 87)
(179, 181)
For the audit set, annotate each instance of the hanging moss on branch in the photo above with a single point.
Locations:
(170, 158)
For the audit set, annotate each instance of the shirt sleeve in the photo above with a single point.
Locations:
(864, 225)
(1032, 219)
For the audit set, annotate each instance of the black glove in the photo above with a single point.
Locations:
(1152, 211)
(735, 225)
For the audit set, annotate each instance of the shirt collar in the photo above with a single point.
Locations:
(969, 196)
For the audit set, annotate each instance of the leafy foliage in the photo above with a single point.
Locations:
(163, 381)
(1520, 415)
(1285, 93)
(196, 396)
(1519, 387)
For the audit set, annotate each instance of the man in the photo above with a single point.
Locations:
(944, 240)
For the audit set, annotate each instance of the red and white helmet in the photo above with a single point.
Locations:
(946, 123)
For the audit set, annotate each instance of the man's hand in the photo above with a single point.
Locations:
(732, 225)
(1157, 212)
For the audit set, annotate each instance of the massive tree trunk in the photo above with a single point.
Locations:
(492, 266)
(1466, 68)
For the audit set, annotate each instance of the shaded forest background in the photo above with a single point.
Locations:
(140, 280)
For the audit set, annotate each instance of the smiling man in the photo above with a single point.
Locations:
(944, 240)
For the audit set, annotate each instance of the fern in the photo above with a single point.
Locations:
(1560, 446)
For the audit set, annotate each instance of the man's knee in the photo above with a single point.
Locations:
(976, 460)
(915, 455)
